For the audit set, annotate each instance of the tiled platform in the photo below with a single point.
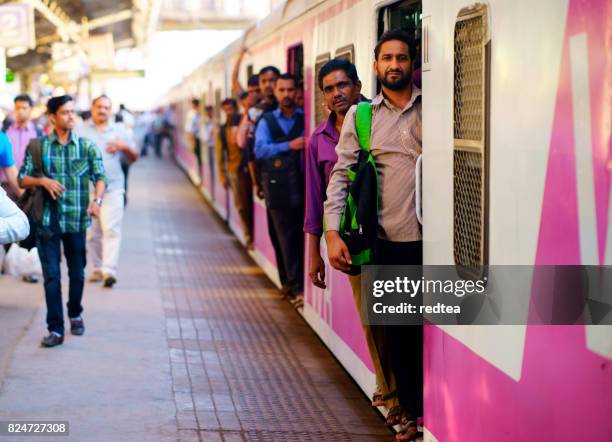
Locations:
(192, 344)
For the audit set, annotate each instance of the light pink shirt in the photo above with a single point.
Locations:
(20, 137)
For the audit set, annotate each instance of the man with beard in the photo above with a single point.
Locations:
(395, 146)
(114, 142)
(279, 142)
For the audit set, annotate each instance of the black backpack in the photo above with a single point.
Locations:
(281, 176)
(359, 221)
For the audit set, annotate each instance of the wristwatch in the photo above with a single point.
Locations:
(98, 201)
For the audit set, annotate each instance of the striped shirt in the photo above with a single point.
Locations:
(396, 145)
(73, 165)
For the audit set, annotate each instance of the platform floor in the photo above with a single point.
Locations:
(192, 344)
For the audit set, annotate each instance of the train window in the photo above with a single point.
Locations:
(218, 105)
(295, 62)
(406, 15)
(318, 94)
(470, 153)
(347, 52)
(249, 71)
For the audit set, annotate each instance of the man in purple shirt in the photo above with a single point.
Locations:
(22, 130)
(341, 89)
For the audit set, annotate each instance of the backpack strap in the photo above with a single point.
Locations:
(363, 124)
(35, 149)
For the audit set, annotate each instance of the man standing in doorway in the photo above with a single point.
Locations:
(396, 145)
(69, 164)
(229, 166)
(207, 135)
(193, 122)
(279, 142)
(114, 141)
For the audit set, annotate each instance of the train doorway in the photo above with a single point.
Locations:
(406, 342)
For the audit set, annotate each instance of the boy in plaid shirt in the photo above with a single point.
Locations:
(69, 164)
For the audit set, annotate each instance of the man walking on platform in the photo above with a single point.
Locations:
(395, 146)
(69, 164)
(19, 133)
(279, 142)
(22, 130)
(114, 142)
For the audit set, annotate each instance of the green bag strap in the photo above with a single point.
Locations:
(363, 124)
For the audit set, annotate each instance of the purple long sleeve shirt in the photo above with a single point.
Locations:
(320, 160)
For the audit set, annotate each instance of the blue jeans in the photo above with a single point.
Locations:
(48, 243)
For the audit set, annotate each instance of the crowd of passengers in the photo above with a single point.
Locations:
(263, 151)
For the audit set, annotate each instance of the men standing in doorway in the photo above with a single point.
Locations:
(279, 142)
(229, 166)
(69, 164)
(207, 136)
(396, 145)
(192, 131)
(114, 141)
(341, 89)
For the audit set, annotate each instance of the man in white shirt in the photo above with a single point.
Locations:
(113, 141)
(193, 121)
(14, 225)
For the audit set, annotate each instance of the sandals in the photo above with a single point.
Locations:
(379, 399)
(297, 302)
(394, 417)
(409, 430)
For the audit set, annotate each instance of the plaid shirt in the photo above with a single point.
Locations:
(73, 165)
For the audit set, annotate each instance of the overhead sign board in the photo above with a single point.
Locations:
(17, 26)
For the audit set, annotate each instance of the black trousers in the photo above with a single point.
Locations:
(197, 150)
(49, 250)
(288, 228)
(278, 253)
(405, 341)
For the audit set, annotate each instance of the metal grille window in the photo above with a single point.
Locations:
(471, 137)
(319, 110)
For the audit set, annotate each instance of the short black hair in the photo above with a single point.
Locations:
(253, 80)
(24, 97)
(195, 102)
(243, 95)
(229, 101)
(209, 107)
(398, 35)
(288, 76)
(100, 98)
(56, 102)
(338, 64)
(269, 69)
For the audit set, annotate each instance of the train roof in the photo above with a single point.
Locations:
(278, 17)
